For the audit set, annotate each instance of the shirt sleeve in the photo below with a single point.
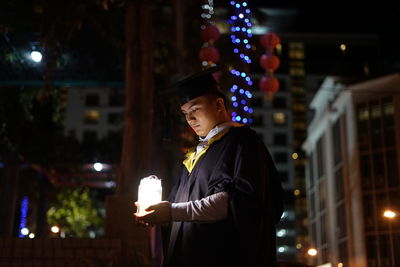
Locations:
(209, 209)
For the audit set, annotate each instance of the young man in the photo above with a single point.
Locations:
(229, 198)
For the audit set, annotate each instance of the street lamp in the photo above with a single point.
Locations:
(36, 56)
(98, 166)
(55, 229)
(312, 252)
(390, 214)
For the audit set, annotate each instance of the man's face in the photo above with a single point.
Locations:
(202, 114)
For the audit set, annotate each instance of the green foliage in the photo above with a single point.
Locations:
(75, 212)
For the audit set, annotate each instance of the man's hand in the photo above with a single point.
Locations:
(159, 213)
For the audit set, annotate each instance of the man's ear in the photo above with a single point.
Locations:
(220, 103)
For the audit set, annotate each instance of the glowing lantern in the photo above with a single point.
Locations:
(210, 33)
(269, 62)
(270, 40)
(208, 54)
(269, 85)
(150, 193)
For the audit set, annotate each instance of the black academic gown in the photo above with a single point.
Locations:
(237, 163)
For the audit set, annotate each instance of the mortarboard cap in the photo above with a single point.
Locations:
(198, 84)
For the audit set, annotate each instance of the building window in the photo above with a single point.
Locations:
(92, 100)
(320, 162)
(280, 139)
(279, 118)
(92, 116)
(281, 157)
(341, 221)
(296, 68)
(298, 107)
(115, 118)
(343, 255)
(337, 144)
(310, 171)
(279, 102)
(116, 100)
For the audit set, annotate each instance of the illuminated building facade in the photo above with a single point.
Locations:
(353, 172)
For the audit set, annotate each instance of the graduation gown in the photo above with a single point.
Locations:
(236, 162)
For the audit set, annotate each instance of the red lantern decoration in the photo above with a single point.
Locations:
(210, 33)
(208, 54)
(269, 62)
(269, 84)
(270, 40)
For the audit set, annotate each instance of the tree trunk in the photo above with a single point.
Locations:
(137, 147)
(139, 104)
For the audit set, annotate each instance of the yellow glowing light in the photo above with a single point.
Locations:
(55, 229)
(296, 192)
(31, 235)
(343, 47)
(150, 192)
(389, 214)
(340, 264)
(299, 246)
(295, 155)
(312, 252)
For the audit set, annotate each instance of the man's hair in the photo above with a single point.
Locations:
(214, 96)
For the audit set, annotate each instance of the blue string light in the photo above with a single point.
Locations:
(24, 214)
(240, 34)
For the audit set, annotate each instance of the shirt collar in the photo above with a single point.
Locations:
(217, 129)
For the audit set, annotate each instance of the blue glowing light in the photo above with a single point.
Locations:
(233, 98)
(248, 11)
(241, 91)
(248, 46)
(237, 40)
(232, 3)
(235, 104)
(237, 5)
(24, 213)
(246, 108)
(236, 50)
(244, 4)
(235, 86)
(244, 120)
(243, 74)
(241, 55)
(234, 114)
(243, 102)
(238, 118)
(250, 110)
(250, 83)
